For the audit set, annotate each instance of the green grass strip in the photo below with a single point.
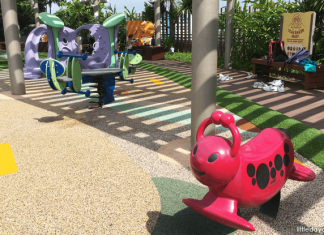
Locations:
(4, 62)
(307, 141)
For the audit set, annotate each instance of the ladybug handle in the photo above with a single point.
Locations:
(226, 120)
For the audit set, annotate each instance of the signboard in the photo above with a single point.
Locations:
(297, 31)
(292, 48)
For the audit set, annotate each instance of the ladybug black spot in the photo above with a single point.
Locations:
(250, 170)
(253, 181)
(273, 173)
(213, 157)
(278, 162)
(286, 148)
(270, 163)
(281, 173)
(195, 150)
(286, 160)
(262, 176)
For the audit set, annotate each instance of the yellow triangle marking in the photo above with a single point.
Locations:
(157, 82)
(7, 160)
(295, 160)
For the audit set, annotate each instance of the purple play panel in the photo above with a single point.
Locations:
(32, 61)
(100, 56)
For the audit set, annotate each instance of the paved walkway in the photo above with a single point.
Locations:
(122, 169)
(306, 106)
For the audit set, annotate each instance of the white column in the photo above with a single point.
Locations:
(36, 12)
(229, 34)
(157, 20)
(204, 63)
(11, 31)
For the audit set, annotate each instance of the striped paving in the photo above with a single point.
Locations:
(150, 123)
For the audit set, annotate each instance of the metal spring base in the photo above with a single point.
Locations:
(100, 90)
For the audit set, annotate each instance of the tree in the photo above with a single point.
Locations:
(58, 2)
(112, 11)
(148, 13)
(130, 15)
(185, 5)
(25, 15)
(38, 6)
(318, 7)
(256, 29)
(77, 14)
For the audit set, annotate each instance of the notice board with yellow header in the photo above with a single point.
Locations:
(297, 31)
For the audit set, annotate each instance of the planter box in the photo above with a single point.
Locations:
(150, 52)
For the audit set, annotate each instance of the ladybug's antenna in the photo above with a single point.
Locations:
(227, 120)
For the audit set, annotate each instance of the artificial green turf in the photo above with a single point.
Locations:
(176, 217)
(307, 141)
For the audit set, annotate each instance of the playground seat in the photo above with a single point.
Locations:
(64, 79)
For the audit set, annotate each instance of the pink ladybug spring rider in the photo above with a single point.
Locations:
(242, 176)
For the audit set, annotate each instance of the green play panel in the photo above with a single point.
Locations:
(135, 59)
(57, 69)
(51, 20)
(114, 20)
(126, 66)
(76, 75)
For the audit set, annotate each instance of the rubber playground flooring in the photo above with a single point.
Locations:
(122, 169)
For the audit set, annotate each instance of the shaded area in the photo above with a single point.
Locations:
(176, 217)
(114, 121)
(50, 119)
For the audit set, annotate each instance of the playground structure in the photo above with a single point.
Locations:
(105, 78)
(101, 68)
(244, 176)
(62, 38)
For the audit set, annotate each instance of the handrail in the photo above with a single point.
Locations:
(83, 57)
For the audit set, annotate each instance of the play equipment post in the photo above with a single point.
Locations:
(56, 24)
(110, 24)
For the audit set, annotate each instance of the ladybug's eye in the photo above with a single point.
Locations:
(195, 150)
(213, 157)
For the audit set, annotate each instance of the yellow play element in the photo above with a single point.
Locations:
(295, 160)
(157, 82)
(7, 160)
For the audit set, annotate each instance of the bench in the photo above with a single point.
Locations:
(312, 80)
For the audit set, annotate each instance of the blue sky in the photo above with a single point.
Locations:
(138, 4)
